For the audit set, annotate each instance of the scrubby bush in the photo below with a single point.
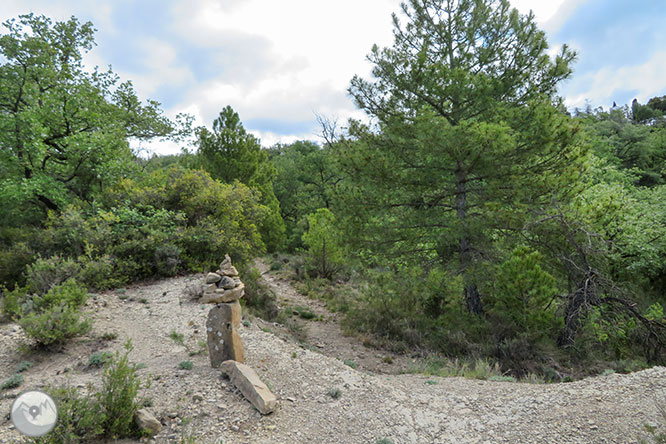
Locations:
(325, 254)
(69, 293)
(44, 274)
(99, 359)
(12, 302)
(13, 381)
(80, 418)
(55, 325)
(118, 397)
(13, 261)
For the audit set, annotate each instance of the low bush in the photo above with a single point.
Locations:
(99, 359)
(55, 325)
(12, 305)
(185, 365)
(118, 397)
(69, 293)
(44, 274)
(80, 418)
(108, 412)
(13, 381)
(259, 299)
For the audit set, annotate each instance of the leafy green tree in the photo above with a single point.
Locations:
(229, 153)
(466, 134)
(305, 181)
(324, 241)
(636, 148)
(63, 130)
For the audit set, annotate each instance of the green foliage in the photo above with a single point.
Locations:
(469, 368)
(259, 299)
(230, 154)
(55, 325)
(305, 181)
(43, 274)
(334, 392)
(325, 254)
(176, 337)
(351, 363)
(13, 381)
(80, 418)
(12, 302)
(466, 141)
(23, 366)
(63, 128)
(118, 397)
(522, 301)
(185, 365)
(99, 359)
(70, 293)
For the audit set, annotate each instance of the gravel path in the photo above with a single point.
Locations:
(403, 408)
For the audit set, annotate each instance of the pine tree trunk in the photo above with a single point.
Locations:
(471, 292)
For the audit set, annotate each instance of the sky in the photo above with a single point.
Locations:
(280, 64)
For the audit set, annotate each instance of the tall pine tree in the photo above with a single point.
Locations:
(465, 135)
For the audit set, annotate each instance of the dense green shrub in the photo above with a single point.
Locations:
(13, 381)
(80, 418)
(325, 254)
(43, 274)
(13, 260)
(69, 293)
(118, 397)
(101, 273)
(13, 302)
(55, 325)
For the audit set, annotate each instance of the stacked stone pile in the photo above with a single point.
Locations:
(225, 348)
(224, 285)
(224, 290)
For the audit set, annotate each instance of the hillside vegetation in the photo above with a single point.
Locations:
(471, 216)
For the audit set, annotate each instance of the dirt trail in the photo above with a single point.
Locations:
(407, 409)
(324, 334)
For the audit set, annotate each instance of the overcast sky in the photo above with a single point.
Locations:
(280, 63)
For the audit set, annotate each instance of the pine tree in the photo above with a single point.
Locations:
(466, 134)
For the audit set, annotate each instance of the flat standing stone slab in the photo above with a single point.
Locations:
(224, 342)
(249, 384)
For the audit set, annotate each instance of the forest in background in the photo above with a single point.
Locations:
(471, 216)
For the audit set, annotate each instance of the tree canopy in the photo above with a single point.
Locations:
(466, 134)
(64, 129)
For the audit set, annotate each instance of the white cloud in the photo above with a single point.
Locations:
(647, 79)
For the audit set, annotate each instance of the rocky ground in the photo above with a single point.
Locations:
(201, 405)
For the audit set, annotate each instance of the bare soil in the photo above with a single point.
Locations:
(375, 401)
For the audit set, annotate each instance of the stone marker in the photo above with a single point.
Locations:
(146, 421)
(228, 283)
(231, 271)
(249, 384)
(224, 342)
(220, 295)
(212, 278)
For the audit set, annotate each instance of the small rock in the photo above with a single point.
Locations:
(249, 384)
(231, 272)
(226, 263)
(227, 283)
(197, 398)
(147, 422)
(212, 278)
(221, 295)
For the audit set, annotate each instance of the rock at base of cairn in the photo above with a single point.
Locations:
(249, 384)
(224, 342)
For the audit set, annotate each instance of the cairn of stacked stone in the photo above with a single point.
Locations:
(224, 288)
